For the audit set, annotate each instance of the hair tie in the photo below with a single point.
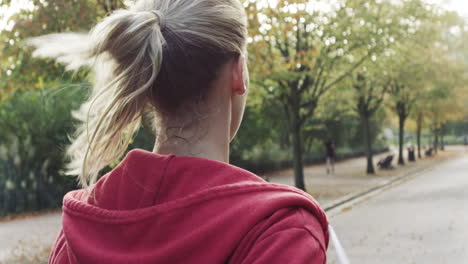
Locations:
(161, 18)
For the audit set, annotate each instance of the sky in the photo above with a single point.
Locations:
(456, 5)
(5, 12)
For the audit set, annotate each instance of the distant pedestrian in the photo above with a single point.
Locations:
(330, 156)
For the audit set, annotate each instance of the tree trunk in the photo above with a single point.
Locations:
(368, 144)
(401, 139)
(418, 134)
(295, 132)
(297, 158)
(442, 143)
(436, 140)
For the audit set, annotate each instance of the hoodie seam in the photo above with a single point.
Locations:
(121, 216)
(286, 197)
(161, 180)
(281, 230)
(304, 229)
(316, 238)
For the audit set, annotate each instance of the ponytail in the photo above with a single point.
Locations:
(135, 42)
(128, 46)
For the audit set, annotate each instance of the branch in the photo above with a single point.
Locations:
(319, 68)
(298, 44)
(317, 81)
(382, 95)
(346, 74)
(270, 62)
(370, 94)
(283, 50)
(305, 84)
(312, 106)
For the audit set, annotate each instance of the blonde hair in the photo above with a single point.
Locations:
(156, 55)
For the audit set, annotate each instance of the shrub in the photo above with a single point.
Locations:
(34, 129)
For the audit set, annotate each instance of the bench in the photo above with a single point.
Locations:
(429, 152)
(385, 163)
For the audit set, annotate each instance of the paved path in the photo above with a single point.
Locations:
(424, 220)
(349, 178)
(318, 173)
(26, 238)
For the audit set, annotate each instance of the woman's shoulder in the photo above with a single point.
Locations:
(290, 235)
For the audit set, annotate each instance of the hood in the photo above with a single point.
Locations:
(166, 209)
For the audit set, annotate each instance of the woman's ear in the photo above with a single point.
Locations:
(238, 82)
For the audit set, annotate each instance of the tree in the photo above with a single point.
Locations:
(419, 128)
(370, 93)
(298, 53)
(443, 105)
(35, 116)
(443, 89)
(411, 64)
(18, 70)
(404, 99)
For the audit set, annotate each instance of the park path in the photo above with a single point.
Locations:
(314, 172)
(28, 238)
(423, 220)
(350, 176)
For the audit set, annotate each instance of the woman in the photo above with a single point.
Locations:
(180, 63)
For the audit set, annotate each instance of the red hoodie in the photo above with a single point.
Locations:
(169, 209)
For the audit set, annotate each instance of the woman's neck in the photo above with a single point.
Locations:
(200, 129)
(203, 148)
(207, 138)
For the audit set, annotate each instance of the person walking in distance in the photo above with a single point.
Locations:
(180, 64)
(330, 156)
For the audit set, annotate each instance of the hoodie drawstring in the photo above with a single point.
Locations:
(340, 253)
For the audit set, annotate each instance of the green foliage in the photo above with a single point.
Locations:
(262, 144)
(35, 116)
(35, 128)
(457, 128)
(259, 138)
(18, 70)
